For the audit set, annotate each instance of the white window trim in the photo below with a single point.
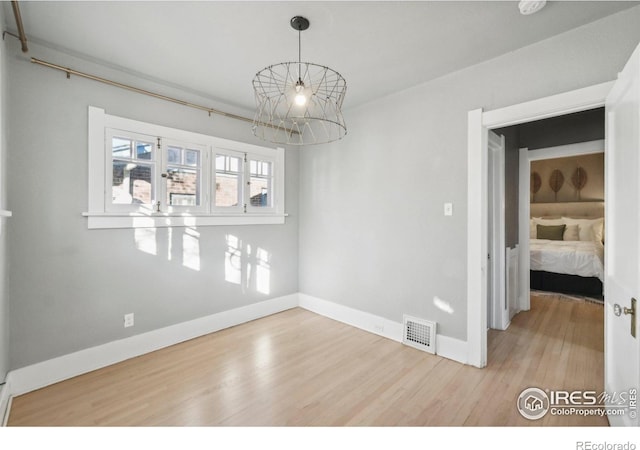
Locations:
(99, 217)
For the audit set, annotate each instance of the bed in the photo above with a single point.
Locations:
(567, 255)
(575, 267)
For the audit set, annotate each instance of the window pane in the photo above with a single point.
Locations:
(260, 187)
(144, 150)
(227, 163)
(260, 192)
(192, 157)
(260, 168)
(234, 164)
(220, 159)
(120, 148)
(183, 187)
(226, 189)
(131, 183)
(173, 155)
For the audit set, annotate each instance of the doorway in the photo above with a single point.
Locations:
(479, 124)
(555, 184)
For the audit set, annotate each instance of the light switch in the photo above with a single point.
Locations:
(448, 209)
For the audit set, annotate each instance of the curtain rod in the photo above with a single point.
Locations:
(21, 35)
(70, 72)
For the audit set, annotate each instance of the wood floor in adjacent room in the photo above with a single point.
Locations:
(297, 368)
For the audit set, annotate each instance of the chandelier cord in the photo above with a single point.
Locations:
(299, 55)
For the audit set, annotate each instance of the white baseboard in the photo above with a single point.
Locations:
(452, 348)
(446, 346)
(5, 401)
(354, 317)
(39, 375)
(48, 372)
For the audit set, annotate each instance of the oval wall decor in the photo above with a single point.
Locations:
(579, 179)
(536, 183)
(556, 181)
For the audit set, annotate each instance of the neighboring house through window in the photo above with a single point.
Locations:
(144, 175)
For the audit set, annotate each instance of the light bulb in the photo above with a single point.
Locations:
(300, 98)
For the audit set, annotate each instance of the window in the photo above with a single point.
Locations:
(184, 177)
(228, 179)
(260, 184)
(233, 193)
(132, 171)
(145, 175)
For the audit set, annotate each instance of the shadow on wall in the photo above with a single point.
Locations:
(146, 241)
(245, 265)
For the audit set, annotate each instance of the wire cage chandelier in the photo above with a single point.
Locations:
(299, 103)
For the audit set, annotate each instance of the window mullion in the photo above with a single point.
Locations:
(205, 178)
(161, 170)
(246, 184)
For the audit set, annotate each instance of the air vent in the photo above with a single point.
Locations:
(420, 334)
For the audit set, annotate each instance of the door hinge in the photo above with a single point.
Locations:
(159, 143)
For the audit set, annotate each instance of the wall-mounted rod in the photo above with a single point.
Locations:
(210, 111)
(21, 35)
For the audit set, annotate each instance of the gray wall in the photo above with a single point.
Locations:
(70, 286)
(511, 186)
(372, 231)
(578, 127)
(4, 297)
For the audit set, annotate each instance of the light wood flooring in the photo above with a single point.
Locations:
(297, 368)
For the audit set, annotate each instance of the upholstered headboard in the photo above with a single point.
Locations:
(569, 209)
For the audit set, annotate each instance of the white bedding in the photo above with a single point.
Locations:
(583, 258)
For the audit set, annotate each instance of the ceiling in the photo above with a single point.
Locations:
(215, 48)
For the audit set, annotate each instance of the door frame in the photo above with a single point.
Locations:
(478, 125)
(524, 211)
(499, 317)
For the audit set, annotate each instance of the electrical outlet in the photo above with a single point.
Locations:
(448, 209)
(128, 320)
(378, 328)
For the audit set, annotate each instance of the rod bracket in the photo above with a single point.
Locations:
(22, 35)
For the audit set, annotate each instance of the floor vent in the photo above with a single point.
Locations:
(420, 334)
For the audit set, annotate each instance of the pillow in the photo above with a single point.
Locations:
(533, 233)
(588, 229)
(571, 233)
(532, 229)
(551, 232)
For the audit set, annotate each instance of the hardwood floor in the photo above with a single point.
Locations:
(297, 368)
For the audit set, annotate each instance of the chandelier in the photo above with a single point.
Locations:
(299, 103)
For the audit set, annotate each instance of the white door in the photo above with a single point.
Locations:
(622, 227)
(497, 312)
